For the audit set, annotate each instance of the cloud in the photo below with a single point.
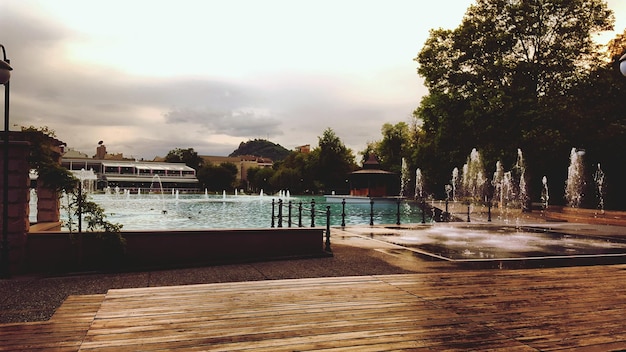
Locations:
(240, 122)
(259, 76)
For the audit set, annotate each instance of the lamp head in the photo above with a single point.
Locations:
(622, 64)
(5, 72)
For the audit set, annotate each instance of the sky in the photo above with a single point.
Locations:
(149, 76)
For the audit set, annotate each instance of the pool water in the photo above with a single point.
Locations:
(200, 211)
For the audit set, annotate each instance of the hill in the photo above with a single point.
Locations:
(262, 147)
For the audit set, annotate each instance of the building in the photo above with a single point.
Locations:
(303, 149)
(371, 181)
(243, 163)
(127, 174)
(113, 170)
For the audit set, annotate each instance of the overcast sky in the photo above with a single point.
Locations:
(150, 76)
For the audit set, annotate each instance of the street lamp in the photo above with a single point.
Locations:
(5, 76)
(622, 64)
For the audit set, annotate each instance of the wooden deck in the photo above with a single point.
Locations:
(577, 308)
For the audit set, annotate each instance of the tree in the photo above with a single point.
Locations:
(44, 159)
(295, 173)
(597, 105)
(393, 147)
(218, 177)
(501, 81)
(187, 156)
(332, 161)
(260, 178)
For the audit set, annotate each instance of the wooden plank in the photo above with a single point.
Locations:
(500, 310)
(63, 332)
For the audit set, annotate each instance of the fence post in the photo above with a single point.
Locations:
(343, 213)
(273, 212)
(468, 211)
(300, 214)
(289, 214)
(423, 206)
(312, 212)
(328, 229)
(280, 213)
(371, 212)
(398, 213)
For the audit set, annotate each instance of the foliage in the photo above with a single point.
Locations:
(301, 169)
(332, 161)
(93, 217)
(96, 222)
(505, 79)
(44, 158)
(597, 105)
(394, 146)
(261, 148)
(260, 179)
(217, 177)
(188, 156)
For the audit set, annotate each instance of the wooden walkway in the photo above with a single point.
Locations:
(577, 308)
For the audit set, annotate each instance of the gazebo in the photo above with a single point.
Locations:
(371, 181)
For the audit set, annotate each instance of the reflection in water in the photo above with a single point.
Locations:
(472, 242)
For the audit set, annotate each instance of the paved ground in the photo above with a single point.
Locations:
(34, 298)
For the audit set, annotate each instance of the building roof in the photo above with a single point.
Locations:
(142, 165)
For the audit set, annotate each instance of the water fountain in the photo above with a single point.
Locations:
(498, 183)
(574, 186)
(598, 179)
(419, 184)
(523, 197)
(454, 182)
(157, 178)
(500, 246)
(545, 195)
(474, 176)
(507, 191)
(404, 178)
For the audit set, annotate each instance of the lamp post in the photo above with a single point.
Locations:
(622, 64)
(5, 76)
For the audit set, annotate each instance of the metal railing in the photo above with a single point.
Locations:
(291, 214)
(278, 217)
(294, 213)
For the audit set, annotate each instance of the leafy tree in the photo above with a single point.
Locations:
(300, 170)
(217, 177)
(597, 105)
(287, 179)
(393, 147)
(188, 156)
(502, 81)
(260, 178)
(44, 159)
(332, 161)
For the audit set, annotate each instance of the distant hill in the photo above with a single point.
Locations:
(262, 147)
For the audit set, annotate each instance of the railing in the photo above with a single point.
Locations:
(461, 210)
(290, 213)
(300, 209)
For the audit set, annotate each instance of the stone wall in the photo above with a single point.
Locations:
(59, 252)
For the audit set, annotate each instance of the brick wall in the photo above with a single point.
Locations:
(19, 196)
